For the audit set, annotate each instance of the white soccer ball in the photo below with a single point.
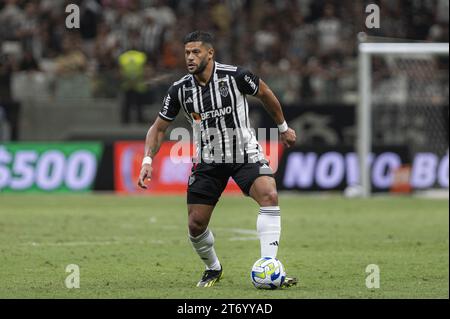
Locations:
(268, 273)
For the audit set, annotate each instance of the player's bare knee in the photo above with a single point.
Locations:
(269, 198)
(196, 227)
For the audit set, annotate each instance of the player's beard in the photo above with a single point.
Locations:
(201, 67)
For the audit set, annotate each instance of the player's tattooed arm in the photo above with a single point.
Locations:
(153, 141)
(273, 107)
(155, 137)
(270, 102)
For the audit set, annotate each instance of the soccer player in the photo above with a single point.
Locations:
(213, 98)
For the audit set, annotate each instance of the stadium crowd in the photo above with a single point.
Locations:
(304, 49)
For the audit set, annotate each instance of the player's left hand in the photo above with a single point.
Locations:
(288, 138)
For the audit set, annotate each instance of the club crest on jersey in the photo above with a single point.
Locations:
(223, 89)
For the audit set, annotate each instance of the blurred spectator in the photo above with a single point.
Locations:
(90, 14)
(11, 19)
(442, 11)
(302, 43)
(10, 109)
(265, 40)
(151, 34)
(29, 26)
(70, 70)
(132, 66)
(162, 13)
(7, 67)
(28, 63)
(329, 30)
(4, 126)
(131, 16)
(72, 60)
(172, 50)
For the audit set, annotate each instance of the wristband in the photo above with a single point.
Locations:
(283, 127)
(147, 160)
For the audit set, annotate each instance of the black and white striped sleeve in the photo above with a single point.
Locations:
(247, 82)
(171, 105)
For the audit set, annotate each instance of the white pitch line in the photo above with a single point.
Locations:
(243, 238)
(94, 243)
(239, 231)
(250, 234)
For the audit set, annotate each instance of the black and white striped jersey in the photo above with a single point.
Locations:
(218, 113)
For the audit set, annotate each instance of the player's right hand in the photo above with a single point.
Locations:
(288, 138)
(146, 174)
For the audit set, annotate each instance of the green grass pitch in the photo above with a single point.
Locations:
(137, 247)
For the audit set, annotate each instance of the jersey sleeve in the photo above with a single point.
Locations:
(171, 105)
(247, 82)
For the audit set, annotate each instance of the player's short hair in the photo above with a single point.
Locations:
(201, 36)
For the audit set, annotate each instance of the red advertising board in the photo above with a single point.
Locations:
(170, 173)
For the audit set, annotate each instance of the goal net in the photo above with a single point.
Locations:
(403, 111)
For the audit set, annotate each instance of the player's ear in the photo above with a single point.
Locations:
(211, 53)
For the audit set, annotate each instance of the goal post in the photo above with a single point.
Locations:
(367, 52)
